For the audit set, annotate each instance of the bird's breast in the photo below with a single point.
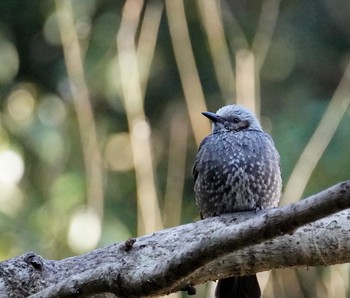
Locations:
(237, 172)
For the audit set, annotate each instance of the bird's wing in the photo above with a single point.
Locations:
(194, 168)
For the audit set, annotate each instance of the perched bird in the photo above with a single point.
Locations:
(237, 168)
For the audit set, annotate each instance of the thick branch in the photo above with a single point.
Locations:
(168, 260)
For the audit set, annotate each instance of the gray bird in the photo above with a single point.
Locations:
(237, 168)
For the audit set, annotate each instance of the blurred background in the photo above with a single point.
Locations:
(100, 120)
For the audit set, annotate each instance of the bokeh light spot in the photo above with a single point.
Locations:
(4, 138)
(51, 30)
(9, 61)
(142, 129)
(84, 231)
(11, 167)
(118, 154)
(20, 106)
(83, 27)
(113, 82)
(52, 111)
(67, 191)
(51, 146)
(11, 199)
(280, 61)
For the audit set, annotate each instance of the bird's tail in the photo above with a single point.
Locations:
(238, 287)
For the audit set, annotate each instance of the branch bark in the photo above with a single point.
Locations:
(181, 257)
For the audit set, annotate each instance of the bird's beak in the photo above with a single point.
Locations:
(213, 117)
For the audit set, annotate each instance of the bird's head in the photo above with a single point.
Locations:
(233, 118)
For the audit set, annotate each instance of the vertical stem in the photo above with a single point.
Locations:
(245, 79)
(319, 141)
(218, 48)
(147, 40)
(81, 100)
(140, 132)
(176, 170)
(187, 67)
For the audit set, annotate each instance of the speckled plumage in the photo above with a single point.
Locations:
(237, 168)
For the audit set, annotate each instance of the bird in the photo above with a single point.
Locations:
(237, 168)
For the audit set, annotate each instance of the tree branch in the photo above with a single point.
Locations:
(170, 260)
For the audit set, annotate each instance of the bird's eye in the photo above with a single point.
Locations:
(236, 120)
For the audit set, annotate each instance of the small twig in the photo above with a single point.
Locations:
(129, 244)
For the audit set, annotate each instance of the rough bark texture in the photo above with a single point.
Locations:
(177, 258)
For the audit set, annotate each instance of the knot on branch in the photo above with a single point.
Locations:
(34, 260)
